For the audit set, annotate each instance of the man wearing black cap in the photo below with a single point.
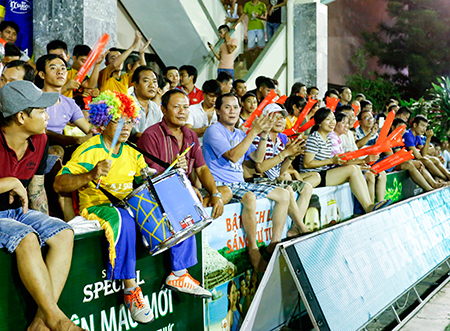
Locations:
(23, 151)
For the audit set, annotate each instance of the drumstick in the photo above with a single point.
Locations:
(113, 144)
(176, 160)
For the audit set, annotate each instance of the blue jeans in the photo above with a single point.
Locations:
(271, 28)
(15, 225)
(254, 36)
(230, 71)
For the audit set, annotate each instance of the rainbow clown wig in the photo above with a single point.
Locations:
(111, 106)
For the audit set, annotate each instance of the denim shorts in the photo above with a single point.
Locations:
(15, 225)
(253, 35)
(230, 71)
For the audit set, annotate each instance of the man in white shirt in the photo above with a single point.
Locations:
(203, 115)
(145, 83)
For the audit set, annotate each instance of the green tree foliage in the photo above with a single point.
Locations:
(415, 43)
(375, 87)
(436, 107)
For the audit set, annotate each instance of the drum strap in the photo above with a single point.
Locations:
(112, 198)
(158, 161)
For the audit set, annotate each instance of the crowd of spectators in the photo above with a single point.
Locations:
(52, 137)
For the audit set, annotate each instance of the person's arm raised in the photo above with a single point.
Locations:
(92, 81)
(211, 47)
(230, 47)
(122, 57)
(238, 21)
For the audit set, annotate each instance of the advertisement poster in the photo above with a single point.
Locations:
(96, 303)
(227, 271)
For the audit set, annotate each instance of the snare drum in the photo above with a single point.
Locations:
(184, 213)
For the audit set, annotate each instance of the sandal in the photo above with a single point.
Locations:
(382, 204)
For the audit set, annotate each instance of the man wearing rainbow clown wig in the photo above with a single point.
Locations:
(92, 163)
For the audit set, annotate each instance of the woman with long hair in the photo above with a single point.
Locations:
(318, 158)
(375, 183)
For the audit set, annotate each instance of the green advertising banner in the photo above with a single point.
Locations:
(400, 186)
(95, 303)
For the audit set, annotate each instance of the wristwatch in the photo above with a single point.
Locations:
(217, 194)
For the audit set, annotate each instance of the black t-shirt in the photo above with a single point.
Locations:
(33, 162)
(276, 14)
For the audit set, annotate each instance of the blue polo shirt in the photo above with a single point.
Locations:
(218, 140)
(410, 140)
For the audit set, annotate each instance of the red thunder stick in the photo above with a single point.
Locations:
(386, 127)
(355, 108)
(393, 160)
(281, 100)
(258, 111)
(307, 125)
(332, 103)
(301, 117)
(394, 140)
(92, 57)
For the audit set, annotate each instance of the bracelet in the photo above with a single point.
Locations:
(263, 139)
(281, 158)
(291, 158)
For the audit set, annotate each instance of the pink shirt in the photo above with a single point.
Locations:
(226, 58)
(336, 144)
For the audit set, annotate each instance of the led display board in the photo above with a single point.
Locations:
(351, 272)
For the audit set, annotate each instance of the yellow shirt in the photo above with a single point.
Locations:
(71, 74)
(126, 165)
(106, 82)
(290, 120)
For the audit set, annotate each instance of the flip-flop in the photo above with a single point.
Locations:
(382, 204)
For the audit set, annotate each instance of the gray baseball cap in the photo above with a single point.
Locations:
(274, 108)
(21, 94)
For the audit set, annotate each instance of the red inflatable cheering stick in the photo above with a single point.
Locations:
(307, 125)
(394, 140)
(301, 118)
(393, 160)
(356, 108)
(281, 100)
(258, 111)
(92, 57)
(385, 129)
(386, 126)
(332, 103)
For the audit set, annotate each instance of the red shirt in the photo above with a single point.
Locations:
(159, 141)
(196, 96)
(33, 162)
